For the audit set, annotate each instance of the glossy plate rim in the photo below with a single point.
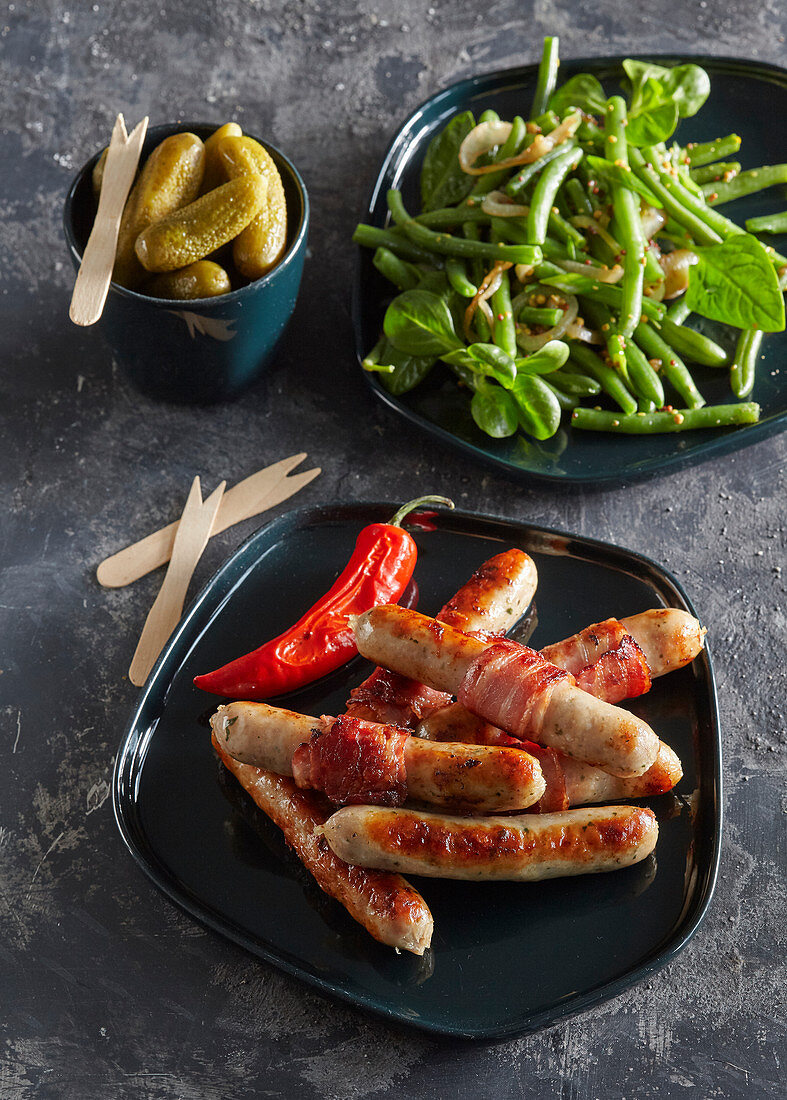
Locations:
(130, 760)
(725, 442)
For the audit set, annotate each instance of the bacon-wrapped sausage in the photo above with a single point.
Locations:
(525, 848)
(353, 760)
(569, 782)
(510, 686)
(387, 906)
(494, 598)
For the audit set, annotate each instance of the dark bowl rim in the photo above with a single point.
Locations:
(164, 129)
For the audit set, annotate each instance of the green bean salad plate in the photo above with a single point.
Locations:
(576, 271)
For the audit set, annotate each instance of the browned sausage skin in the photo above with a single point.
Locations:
(387, 906)
(461, 777)
(527, 847)
(566, 718)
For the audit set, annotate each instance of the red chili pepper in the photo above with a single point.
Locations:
(378, 572)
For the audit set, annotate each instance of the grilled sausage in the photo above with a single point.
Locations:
(387, 906)
(475, 778)
(526, 847)
(563, 718)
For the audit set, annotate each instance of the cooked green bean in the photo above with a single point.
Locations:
(746, 183)
(579, 385)
(518, 183)
(457, 276)
(577, 197)
(515, 141)
(768, 223)
(646, 383)
(547, 77)
(534, 315)
(705, 152)
(678, 311)
(745, 363)
(678, 420)
(691, 344)
(672, 366)
(566, 401)
(609, 380)
(664, 186)
(504, 328)
(710, 172)
(453, 215)
(625, 204)
(457, 246)
(371, 237)
(545, 191)
(403, 275)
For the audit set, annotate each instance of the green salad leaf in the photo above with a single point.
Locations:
(736, 283)
(494, 410)
(399, 372)
(419, 323)
(443, 183)
(538, 409)
(660, 96)
(583, 91)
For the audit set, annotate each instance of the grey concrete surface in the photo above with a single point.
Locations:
(107, 989)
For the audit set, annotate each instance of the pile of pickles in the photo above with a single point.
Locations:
(202, 219)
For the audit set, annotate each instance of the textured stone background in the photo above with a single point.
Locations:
(107, 990)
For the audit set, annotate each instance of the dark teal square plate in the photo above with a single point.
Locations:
(506, 958)
(746, 97)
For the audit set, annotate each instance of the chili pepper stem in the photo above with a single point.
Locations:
(419, 502)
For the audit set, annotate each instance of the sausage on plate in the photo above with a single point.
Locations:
(510, 686)
(526, 847)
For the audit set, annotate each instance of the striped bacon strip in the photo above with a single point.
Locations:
(621, 673)
(354, 762)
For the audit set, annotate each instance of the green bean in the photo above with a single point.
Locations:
(566, 401)
(693, 345)
(653, 271)
(647, 384)
(679, 420)
(371, 237)
(616, 350)
(547, 77)
(504, 329)
(457, 276)
(705, 152)
(744, 365)
(561, 228)
(453, 215)
(546, 122)
(577, 197)
(672, 366)
(457, 246)
(625, 204)
(547, 270)
(608, 293)
(403, 275)
(579, 385)
(715, 222)
(768, 223)
(710, 172)
(545, 191)
(533, 315)
(664, 187)
(609, 380)
(517, 184)
(747, 183)
(678, 311)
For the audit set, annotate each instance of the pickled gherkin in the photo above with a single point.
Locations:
(198, 229)
(215, 172)
(170, 180)
(260, 246)
(202, 279)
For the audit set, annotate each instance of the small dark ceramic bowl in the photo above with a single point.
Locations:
(210, 349)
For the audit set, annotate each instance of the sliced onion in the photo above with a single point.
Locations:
(482, 139)
(577, 331)
(652, 221)
(500, 205)
(529, 341)
(524, 272)
(602, 274)
(675, 266)
(491, 283)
